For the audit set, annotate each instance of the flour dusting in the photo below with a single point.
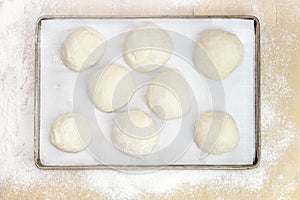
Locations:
(16, 86)
(17, 19)
(185, 3)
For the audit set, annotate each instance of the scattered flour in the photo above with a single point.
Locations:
(17, 19)
(125, 5)
(185, 3)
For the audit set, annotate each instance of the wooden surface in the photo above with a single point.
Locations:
(278, 19)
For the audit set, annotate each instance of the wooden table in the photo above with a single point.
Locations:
(280, 46)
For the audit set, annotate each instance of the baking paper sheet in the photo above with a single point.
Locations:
(64, 91)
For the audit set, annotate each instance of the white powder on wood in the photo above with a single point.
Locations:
(17, 19)
(185, 3)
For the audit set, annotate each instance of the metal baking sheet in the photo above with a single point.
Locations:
(59, 90)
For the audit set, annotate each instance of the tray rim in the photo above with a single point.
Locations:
(257, 100)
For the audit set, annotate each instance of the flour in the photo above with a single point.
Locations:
(117, 6)
(16, 86)
(185, 3)
(17, 19)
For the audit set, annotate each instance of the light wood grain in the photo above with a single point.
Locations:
(277, 18)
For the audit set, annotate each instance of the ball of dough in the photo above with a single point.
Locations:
(147, 47)
(216, 133)
(134, 132)
(71, 133)
(167, 95)
(217, 53)
(111, 88)
(82, 49)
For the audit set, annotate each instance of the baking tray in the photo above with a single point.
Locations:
(40, 157)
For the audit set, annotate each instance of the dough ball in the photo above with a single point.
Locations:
(147, 47)
(134, 132)
(110, 88)
(216, 133)
(82, 49)
(217, 53)
(167, 95)
(71, 133)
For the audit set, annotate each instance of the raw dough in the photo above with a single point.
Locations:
(134, 132)
(217, 53)
(147, 47)
(82, 49)
(167, 95)
(111, 88)
(216, 133)
(71, 133)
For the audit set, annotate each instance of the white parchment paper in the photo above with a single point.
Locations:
(63, 91)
